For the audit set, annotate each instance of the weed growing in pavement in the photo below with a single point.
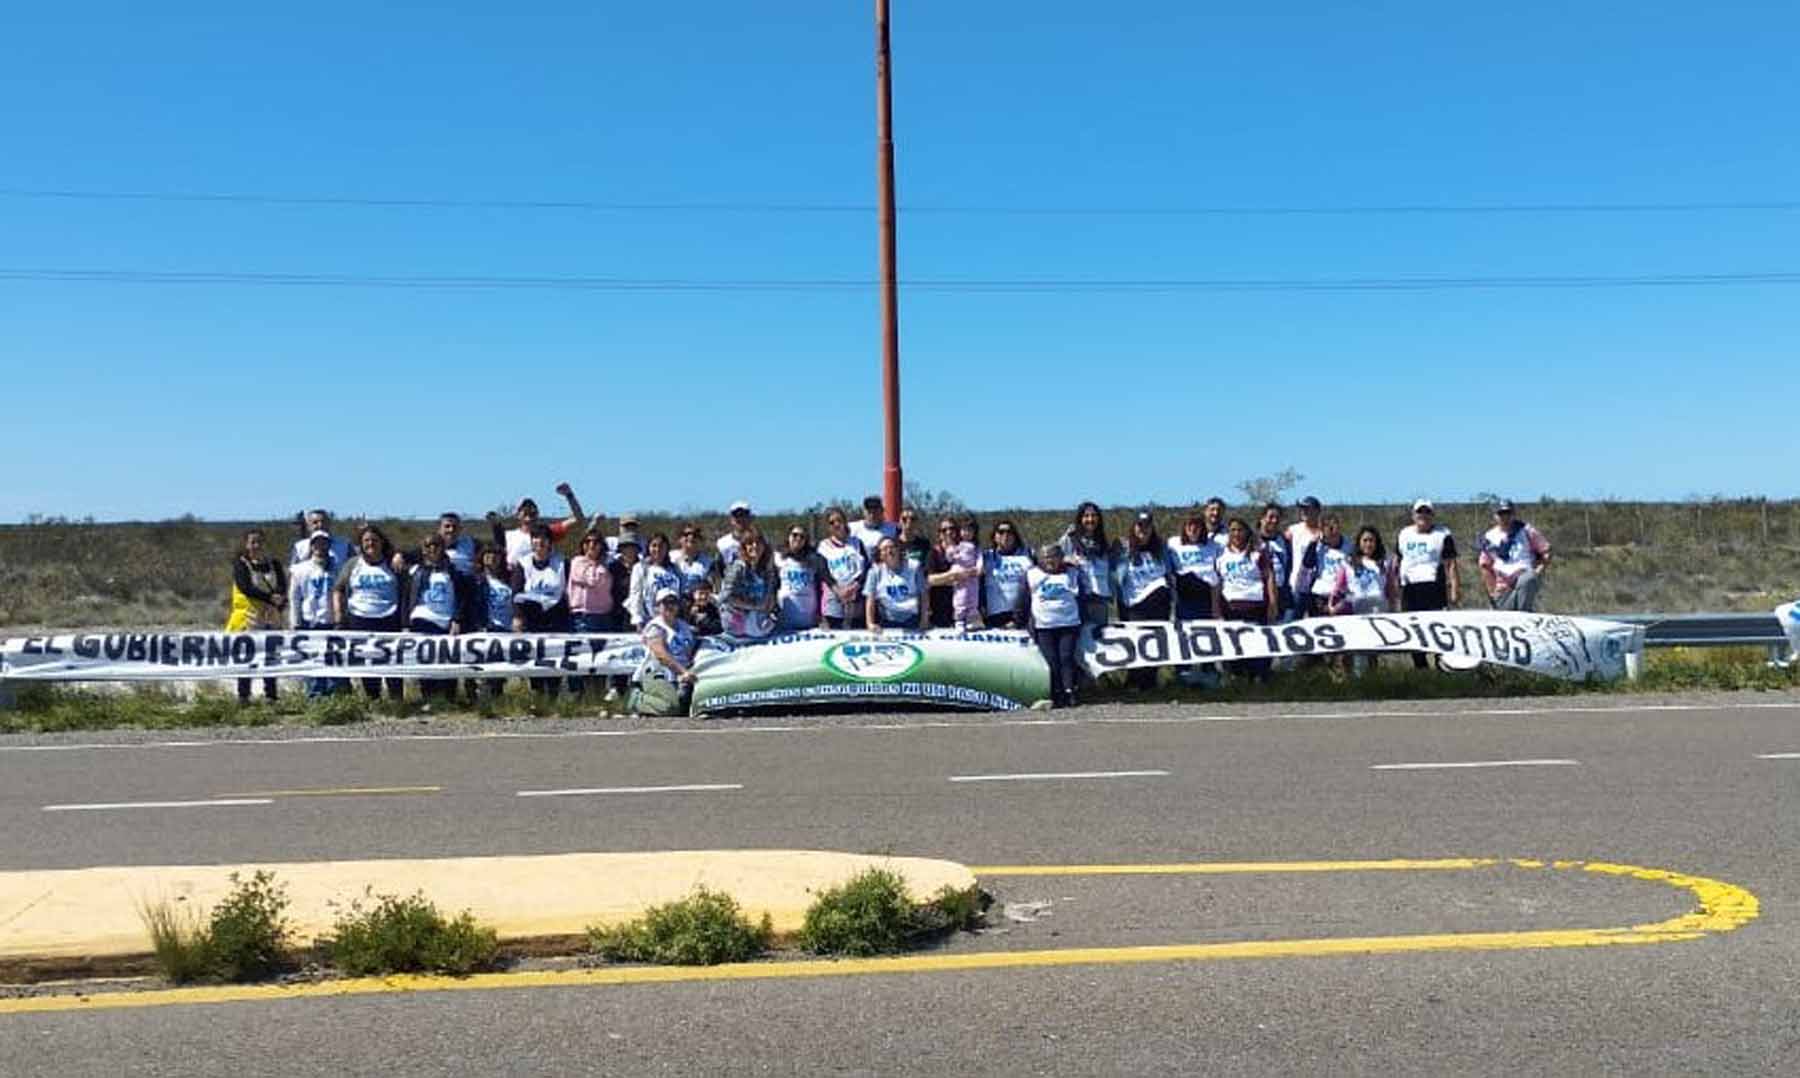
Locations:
(245, 938)
(408, 935)
(703, 929)
(872, 914)
(179, 940)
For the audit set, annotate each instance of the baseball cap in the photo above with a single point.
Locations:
(739, 506)
(318, 535)
(628, 520)
(1145, 517)
(1504, 505)
(667, 593)
(1423, 505)
(629, 537)
(1310, 502)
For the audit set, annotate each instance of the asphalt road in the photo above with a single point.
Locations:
(1696, 789)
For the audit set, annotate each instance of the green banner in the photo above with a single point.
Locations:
(984, 671)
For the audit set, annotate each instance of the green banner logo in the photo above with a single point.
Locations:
(873, 660)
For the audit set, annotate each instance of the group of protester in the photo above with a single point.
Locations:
(865, 573)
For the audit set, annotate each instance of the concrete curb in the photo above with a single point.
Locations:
(90, 918)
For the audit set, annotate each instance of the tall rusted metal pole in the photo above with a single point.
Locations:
(892, 487)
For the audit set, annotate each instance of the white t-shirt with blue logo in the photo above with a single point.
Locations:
(1055, 597)
(1197, 559)
(436, 601)
(798, 595)
(844, 562)
(1003, 579)
(896, 593)
(1142, 575)
(370, 590)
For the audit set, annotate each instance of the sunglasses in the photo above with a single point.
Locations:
(946, 528)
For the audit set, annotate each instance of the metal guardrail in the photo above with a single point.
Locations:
(1710, 631)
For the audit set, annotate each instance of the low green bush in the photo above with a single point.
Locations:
(408, 935)
(703, 929)
(245, 938)
(872, 914)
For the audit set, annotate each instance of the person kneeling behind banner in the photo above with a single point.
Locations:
(664, 684)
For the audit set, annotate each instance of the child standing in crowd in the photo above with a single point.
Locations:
(703, 609)
(895, 591)
(309, 602)
(1085, 546)
(494, 602)
(259, 591)
(541, 599)
(439, 594)
(590, 594)
(368, 595)
(1056, 590)
(965, 594)
(1003, 566)
(1143, 586)
(1246, 589)
(801, 570)
(846, 563)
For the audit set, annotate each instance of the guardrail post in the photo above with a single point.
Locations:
(1634, 663)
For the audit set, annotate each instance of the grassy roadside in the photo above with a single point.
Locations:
(50, 709)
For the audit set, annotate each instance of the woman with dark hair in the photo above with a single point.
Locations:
(846, 563)
(1086, 547)
(800, 571)
(541, 597)
(945, 578)
(1056, 589)
(369, 596)
(749, 594)
(438, 595)
(895, 591)
(650, 576)
(692, 561)
(1366, 582)
(1143, 586)
(259, 591)
(1005, 599)
(1319, 564)
(493, 601)
(591, 608)
(1246, 590)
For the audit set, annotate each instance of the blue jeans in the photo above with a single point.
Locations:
(590, 623)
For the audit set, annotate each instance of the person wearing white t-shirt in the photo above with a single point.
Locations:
(846, 563)
(369, 595)
(801, 571)
(1193, 555)
(1301, 535)
(1246, 589)
(1142, 581)
(518, 540)
(1004, 598)
(742, 519)
(1514, 557)
(541, 597)
(1429, 576)
(693, 563)
(894, 593)
(1317, 567)
(318, 520)
(1056, 588)
(309, 603)
(872, 529)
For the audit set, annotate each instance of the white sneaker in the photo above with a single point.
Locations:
(611, 697)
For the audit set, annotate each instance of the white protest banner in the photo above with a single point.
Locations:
(990, 671)
(1563, 647)
(1789, 616)
(176, 656)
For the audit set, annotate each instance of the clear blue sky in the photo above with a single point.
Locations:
(147, 400)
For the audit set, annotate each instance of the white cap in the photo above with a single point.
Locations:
(667, 593)
(325, 535)
(739, 506)
(1425, 504)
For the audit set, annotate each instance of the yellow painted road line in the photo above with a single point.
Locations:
(344, 791)
(1722, 907)
(1232, 868)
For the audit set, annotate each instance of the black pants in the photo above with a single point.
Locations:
(1003, 619)
(1258, 614)
(539, 620)
(1428, 596)
(396, 688)
(1154, 608)
(1058, 647)
(244, 684)
(431, 688)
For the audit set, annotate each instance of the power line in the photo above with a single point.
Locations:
(829, 208)
(932, 285)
